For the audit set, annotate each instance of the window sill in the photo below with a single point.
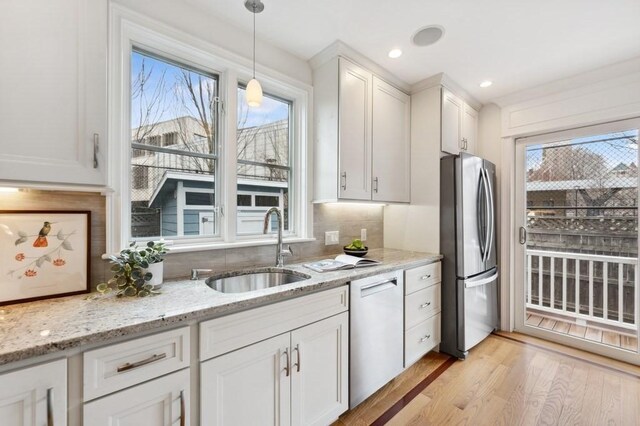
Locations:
(186, 248)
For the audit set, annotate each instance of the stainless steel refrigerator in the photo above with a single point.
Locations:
(468, 243)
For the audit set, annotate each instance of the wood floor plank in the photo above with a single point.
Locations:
(609, 413)
(557, 393)
(611, 339)
(507, 382)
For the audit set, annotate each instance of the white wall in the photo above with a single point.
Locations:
(213, 30)
(417, 226)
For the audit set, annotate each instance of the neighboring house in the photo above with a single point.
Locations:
(614, 194)
(175, 195)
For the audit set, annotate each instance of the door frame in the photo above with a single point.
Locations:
(519, 215)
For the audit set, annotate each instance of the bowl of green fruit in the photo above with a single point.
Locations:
(356, 248)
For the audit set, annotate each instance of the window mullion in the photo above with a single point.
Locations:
(229, 156)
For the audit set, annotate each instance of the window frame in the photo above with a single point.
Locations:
(130, 30)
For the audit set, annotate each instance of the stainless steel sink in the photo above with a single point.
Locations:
(241, 282)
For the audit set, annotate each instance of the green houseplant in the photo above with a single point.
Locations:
(131, 275)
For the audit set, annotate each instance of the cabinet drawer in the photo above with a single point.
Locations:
(421, 277)
(118, 366)
(421, 339)
(225, 334)
(421, 305)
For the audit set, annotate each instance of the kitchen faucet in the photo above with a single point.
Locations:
(280, 252)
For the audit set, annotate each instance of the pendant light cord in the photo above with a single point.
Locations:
(254, 39)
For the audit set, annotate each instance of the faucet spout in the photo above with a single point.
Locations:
(280, 252)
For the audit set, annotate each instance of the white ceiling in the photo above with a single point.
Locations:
(516, 43)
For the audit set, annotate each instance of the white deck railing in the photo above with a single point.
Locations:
(557, 265)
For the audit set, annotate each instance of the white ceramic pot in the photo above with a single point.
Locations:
(156, 270)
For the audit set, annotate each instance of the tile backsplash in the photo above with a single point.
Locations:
(346, 218)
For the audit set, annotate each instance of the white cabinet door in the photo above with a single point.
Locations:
(470, 129)
(391, 143)
(320, 371)
(452, 114)
(250, 386)
(355, 132)
(160, 402)
(34, 396)
(53, 86)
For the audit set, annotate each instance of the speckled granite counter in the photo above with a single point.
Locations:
(37, 328)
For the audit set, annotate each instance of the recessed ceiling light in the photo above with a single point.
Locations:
(426, 36)
(486, 83)
(395, 53)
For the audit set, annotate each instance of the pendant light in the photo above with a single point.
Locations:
(253, 91)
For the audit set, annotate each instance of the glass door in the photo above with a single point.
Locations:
(577, 212)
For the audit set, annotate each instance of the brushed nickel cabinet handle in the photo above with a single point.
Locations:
(344, 176)
(96, 149)
(287, 367)
(50, 407)
(425, 338)
(298, 358)
(130, 366)
(183, 419)
(424, 305)
(425, 277)
(375, 186)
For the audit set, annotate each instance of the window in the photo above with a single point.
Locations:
(174, 147)
(174, 183)
(263, 147)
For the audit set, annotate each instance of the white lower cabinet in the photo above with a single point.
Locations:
(320, 371)
(160, 402)
(296, 378)
(35, 396)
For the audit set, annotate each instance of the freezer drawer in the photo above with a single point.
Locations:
(480, 308)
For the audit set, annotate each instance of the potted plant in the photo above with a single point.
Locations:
(135, 272)
(155, 252)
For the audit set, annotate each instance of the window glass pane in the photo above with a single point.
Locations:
(173, 148)
(264, 148)
(244, 200)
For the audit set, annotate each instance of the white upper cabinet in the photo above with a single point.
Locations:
(34, 396)
(459, 124)
(391, 143)
(355, 131)
(362, 140)
(53, 85)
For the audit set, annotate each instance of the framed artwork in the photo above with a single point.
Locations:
(43, 254)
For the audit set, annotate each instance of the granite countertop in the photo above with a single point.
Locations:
(38, 328)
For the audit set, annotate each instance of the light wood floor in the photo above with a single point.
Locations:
(505, 382)
(610, 338)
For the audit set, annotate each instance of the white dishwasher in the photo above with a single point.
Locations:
(376, 340)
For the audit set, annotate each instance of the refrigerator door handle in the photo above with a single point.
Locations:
(481, 237)
(492, 216)
(482, 281)
(487, 200)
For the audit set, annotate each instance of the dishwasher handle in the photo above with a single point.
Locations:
(377, 287)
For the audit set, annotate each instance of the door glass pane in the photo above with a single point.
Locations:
(173, 149)
(582, 245)
(264, 169)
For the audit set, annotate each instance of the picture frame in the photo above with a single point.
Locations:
(44, 254)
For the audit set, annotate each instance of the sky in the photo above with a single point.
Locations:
(614, 151)
(164, 87)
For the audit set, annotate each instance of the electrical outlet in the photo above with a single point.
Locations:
(363, 234)
(331, 238)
